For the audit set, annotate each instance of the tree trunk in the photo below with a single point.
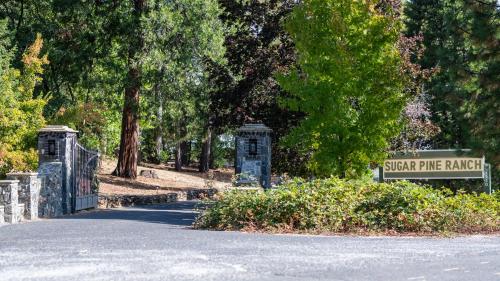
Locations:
(159, 128)
(129, 139)
(185, 152)
(159, 143)
(180, 146)
(213, 143)
(205, 152)
(178, 157)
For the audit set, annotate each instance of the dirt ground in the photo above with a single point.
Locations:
(169, 180)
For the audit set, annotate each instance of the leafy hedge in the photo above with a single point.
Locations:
(336, 205)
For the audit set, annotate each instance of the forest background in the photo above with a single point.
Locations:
(341, 83)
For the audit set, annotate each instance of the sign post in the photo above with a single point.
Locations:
(487, 178)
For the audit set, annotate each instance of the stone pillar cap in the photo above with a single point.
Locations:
(9, 181)
(254, 127)
(57, 128)
(22, 174)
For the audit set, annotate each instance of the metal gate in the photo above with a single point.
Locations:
(85, 184)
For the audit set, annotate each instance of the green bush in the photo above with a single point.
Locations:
(336, 205)
(17, 161)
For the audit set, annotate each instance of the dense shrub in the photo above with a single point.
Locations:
(335, 205)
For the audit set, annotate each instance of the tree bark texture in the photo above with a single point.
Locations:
(213, 144)
(178, 157)
(159, 128)
(129, 139)
(185, 152)
(182, 131)
(205, 152)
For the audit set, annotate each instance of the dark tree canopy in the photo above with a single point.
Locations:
(461, 41)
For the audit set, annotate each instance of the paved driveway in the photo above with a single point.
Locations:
(156, 243)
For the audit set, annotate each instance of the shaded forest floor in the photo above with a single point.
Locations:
(169, 180)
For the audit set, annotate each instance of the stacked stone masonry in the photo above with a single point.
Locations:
(2, 219)
(19, 196)
(28, 193)
(9, 201)
(51, 194)
(253, 154)
(55, 153)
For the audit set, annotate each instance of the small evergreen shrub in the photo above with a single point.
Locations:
(336, 205)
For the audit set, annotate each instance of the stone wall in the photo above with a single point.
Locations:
(29, 193)
(51, 192)
(117, 201)
(9, 200)
(199, 194)
(2, 217)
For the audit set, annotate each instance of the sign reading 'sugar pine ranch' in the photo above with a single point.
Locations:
(433, 164)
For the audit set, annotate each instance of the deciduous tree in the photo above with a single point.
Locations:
(348, 83)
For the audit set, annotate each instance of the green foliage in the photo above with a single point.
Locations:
(348, 83)
(223, 151)
(94, 124)
(246, 89)
(17, 160)
(164, 156)
(336, 205)
(180, 37)
(20, 114)
(93, 44)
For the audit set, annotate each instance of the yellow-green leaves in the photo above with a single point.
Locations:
(21, 114)
(348, 83)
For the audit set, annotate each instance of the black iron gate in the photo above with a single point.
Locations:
(85, 183)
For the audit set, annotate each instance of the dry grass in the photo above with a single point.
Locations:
(169, 180)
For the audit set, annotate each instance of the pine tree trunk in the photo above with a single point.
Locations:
(178, 157)
(159, 143)
(205, 152)
(129, 139)
(185, 152)
(213, 143)
(180, 147)
(159, 128)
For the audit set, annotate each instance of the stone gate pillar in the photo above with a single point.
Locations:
(29, 193)
(55, 152)
(9, 202)
(253, 154)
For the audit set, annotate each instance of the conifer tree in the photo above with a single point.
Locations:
(461, 40)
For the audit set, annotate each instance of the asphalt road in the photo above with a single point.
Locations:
(156, 243)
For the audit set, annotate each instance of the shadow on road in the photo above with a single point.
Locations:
(179, 214)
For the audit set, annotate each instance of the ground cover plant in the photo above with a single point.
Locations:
(352, 206)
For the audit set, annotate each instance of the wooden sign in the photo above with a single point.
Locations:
(434, 164)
